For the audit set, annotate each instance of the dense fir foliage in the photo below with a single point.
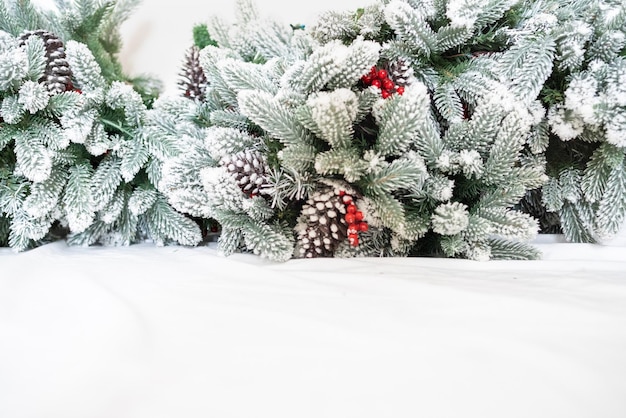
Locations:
(72, 157)
(586, 95)
(405, 128)
(434, 161)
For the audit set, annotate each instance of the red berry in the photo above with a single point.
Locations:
(363, 226)
(353, 229)
(359, 215)
(382, 74)
(366, 79)
(400, 90)
(342, 193)
(373, 72)
(353, 239)
(351, 209)
(385, 94)
(350, 218)
(388, 84)
(376, 83)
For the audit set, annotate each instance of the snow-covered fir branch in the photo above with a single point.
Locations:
(74, 162)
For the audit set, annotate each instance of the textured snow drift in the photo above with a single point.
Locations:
(178, 332)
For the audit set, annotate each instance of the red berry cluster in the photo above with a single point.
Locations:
(380, 78)
(354, 219)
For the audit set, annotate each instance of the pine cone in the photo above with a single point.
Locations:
(249, 170)
(400, 72)
(192, 80)
(323, 225)
(58, 75)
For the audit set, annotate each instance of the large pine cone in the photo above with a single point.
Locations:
(249, 169)
(58, 75)
(192, 80)
(322, 226)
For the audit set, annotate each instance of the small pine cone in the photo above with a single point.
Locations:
(58, 75)
(192, 80)
(323, 226)
(249, 169)
(401, 72)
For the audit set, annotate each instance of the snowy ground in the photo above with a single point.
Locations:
(177, 332)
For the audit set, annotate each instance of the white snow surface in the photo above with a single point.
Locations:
(179, 332)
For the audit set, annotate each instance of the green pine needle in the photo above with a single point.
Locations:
(201, 36)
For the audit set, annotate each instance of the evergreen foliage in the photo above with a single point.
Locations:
(443, 159)
(422, 128)
(73, 160)
(587, 116)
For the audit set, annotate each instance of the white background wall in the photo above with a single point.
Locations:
(158, 34)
